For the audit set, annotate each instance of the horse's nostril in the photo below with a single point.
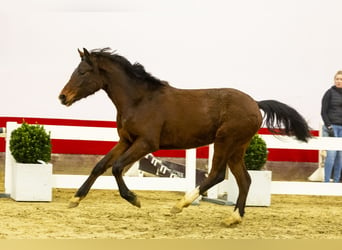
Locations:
(62, 98)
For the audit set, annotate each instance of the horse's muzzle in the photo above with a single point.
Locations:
(63, 99)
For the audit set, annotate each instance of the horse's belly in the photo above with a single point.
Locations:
(185, 140)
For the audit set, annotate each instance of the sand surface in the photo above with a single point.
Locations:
(105, 215)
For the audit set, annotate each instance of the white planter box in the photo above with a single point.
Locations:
(31, 182)
(259, 192)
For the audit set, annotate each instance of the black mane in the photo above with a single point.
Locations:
(136, 70)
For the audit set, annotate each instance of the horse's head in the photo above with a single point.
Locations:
(84, 81)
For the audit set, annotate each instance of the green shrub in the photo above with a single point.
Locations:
(30, 143)
(256, 153)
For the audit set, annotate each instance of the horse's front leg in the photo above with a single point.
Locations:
(105, 163)
(138, 149)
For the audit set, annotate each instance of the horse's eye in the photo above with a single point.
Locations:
(81, 72)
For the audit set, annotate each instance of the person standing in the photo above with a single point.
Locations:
(331, 113)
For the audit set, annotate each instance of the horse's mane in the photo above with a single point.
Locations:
(136, 70)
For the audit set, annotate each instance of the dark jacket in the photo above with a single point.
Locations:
(331, 111)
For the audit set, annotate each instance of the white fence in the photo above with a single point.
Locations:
(103, 182)
(177, 184)
(305, 188)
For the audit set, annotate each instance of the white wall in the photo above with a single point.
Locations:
(285, 50)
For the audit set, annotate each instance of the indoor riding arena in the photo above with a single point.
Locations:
(177, 90)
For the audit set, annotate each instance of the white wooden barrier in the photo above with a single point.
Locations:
(292, 187)
(316, 143)
(305, 188)
(178, 184)
(103, 182)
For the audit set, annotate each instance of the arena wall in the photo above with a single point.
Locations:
(79, 156)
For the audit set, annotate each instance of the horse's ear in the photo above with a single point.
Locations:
(81, 53)
(86, 56)
(86, 53)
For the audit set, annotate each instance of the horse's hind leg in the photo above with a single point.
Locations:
(223, 154)
(243, 179)
(105, 163)
(215, 176)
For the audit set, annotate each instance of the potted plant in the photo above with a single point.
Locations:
(30, 146)
(260, 190)
(256, 153)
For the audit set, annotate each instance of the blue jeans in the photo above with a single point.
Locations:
(333, 161)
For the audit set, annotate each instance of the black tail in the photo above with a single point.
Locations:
(282, 119)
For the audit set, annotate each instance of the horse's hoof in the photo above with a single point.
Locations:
(74, 202)
(176, 210)
(136, 202)
(132, 198)
(232, 220)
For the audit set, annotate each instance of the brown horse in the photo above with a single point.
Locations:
(153, 115)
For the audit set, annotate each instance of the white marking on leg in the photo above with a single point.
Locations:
(233, 219)
(188, 198)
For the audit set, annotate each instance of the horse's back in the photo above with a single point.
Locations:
(196, 117)
(216, 103)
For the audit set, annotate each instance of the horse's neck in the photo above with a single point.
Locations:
(123, 92)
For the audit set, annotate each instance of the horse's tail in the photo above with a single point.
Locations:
(282, 119)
